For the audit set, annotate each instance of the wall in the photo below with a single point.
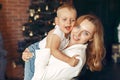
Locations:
(12, 15)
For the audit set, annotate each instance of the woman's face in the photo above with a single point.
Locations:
(83, 33)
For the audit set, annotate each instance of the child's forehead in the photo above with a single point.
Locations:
(66, 11)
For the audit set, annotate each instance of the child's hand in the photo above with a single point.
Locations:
(26, 55)
(74, 61)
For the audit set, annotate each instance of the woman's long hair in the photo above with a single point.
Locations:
(95, 50)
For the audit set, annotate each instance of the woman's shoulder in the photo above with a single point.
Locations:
(76, 49)
(78, 46)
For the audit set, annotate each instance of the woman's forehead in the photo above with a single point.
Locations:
(87, 25)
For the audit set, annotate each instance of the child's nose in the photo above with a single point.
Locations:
(68, 23)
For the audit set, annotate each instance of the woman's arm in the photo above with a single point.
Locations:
(30, 51)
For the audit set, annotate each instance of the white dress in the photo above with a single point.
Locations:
(59, 70)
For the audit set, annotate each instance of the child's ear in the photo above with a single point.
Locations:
(56, 20)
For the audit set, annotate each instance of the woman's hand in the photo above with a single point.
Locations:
(26, 55)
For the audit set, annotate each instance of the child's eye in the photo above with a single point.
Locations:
(72, 20)
(64, 19)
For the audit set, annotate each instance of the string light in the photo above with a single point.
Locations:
(30, 20)
(45, 34)
(32, 12)
(53, 24)
(31, 33)
(46, 8)
(39, 9)
(36, 17)
(23, 28)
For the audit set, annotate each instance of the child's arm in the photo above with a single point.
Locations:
(53, 42)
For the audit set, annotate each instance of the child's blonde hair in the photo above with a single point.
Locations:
(67, 6)
(95, 50)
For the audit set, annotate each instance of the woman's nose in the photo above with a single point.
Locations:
(78, 33)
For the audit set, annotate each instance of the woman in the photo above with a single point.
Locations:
(87, 35)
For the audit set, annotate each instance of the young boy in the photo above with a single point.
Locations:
(57, 39)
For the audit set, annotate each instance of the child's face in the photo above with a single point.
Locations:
(83, 33)
(66, 20)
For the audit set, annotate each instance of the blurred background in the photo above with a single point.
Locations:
(23, 22)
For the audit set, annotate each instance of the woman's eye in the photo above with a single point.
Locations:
(78, 27)
(85, 33)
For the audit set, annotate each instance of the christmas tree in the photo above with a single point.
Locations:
(40, 22)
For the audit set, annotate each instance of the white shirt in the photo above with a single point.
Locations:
(64, 40)
(59, 70)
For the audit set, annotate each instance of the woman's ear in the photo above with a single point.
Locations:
(91, 40)
(56, 20)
